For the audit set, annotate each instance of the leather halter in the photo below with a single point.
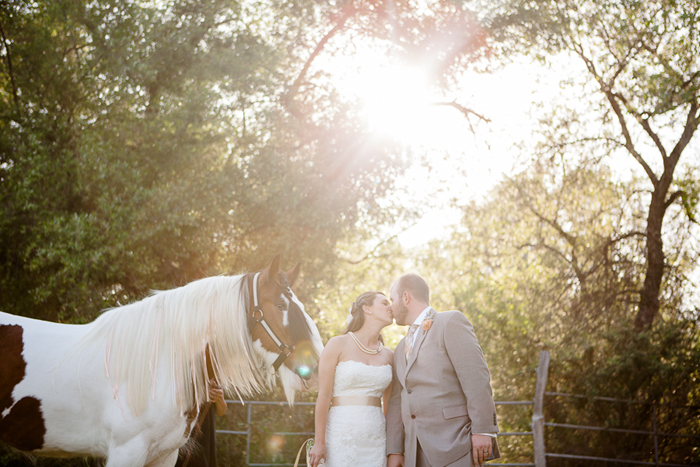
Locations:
(285, 350)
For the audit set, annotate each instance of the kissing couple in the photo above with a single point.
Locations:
(429, 403)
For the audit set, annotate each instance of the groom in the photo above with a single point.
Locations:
(441, 411)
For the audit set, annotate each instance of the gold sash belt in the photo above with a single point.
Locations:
(356, 400)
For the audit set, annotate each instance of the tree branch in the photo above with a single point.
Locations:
(580, 276)
(466, 111)
(664, 63)
(587, 139)
(644, 122)
(606, 88)
(571, 240)
(629, 144)
(691, 124)
(294, 89)
(686, 204)
(674, 196)
(371, 254)
(542, 244)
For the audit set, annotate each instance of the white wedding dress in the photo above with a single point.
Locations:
(356, 434)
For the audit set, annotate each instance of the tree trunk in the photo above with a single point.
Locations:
(649, 295)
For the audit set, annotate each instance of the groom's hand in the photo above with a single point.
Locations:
(394, 460)
(481, 448)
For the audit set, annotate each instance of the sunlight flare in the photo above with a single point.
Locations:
(396, 99)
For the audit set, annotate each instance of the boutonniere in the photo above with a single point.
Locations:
(428, 321)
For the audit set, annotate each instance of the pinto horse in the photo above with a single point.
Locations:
(129, 385)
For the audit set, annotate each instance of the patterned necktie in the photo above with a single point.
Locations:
(409, 340)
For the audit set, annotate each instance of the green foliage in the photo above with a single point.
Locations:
(689, 190)
(658, 370)
(552, 260)
(638, 73)
(569, 255)
(363, 270)
(268, 443)
(145, 145)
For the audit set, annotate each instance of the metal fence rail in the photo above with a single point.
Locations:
(618, 430)
(537, 433)
(627, 401)
(249, 423)
(604, 459)
(541, 454)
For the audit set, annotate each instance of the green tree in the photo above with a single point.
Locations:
(144, 145)
(553, 260)
(641, 88)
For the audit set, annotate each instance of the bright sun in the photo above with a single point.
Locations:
(400, 101)
(396, 99)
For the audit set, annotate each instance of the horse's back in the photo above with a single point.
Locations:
(32, 342)
(37, 331)
(56, 398)
(34, 370)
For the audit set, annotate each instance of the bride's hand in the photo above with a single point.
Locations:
(317, 455)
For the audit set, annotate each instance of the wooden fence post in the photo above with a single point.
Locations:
(538, 411)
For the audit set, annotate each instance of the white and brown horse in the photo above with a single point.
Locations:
(128, 386)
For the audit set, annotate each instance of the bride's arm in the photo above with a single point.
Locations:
(326, 373)
(385, 398)
(387, 394)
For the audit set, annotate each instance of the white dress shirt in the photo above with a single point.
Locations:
(418, 322)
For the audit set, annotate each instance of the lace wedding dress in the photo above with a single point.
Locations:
(355, 434)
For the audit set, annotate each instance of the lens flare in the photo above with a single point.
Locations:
(275, 443)
(305, 352)
(304, 372)
(305, 360)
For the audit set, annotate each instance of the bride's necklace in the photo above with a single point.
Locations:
(363, 348)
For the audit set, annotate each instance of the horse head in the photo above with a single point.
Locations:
(288, 339)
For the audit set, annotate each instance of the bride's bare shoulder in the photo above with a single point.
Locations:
(339, 338)
(388, 355)
(338, 342)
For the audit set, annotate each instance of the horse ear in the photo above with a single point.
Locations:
(274, 268)
(293, 275)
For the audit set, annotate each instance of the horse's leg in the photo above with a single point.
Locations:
(166, 460)
(133, 453)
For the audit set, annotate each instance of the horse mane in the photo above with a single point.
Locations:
(162, 341)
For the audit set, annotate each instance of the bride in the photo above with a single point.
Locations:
(354, 378)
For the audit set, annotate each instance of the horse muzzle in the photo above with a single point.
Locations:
(308, 376)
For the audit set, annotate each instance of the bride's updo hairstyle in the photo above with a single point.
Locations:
(358, 314)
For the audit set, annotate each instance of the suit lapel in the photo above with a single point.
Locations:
(400, 360)
(416, 345)
(420, 335)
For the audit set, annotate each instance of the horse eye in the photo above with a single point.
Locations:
(281, 306)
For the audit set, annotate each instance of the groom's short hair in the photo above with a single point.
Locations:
(416, 285)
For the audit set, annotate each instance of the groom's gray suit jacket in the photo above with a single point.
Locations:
(441, 395)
